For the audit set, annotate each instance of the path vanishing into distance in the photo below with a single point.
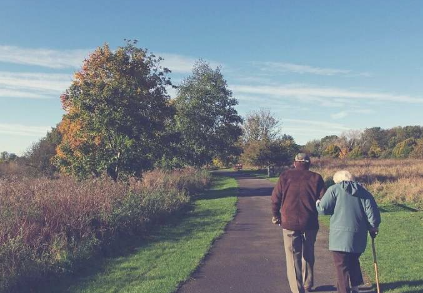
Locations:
(249, 257)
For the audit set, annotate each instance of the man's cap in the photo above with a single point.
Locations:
(302, 157)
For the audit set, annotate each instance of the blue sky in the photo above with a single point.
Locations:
(321, 67)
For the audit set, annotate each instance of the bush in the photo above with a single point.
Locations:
(46, 226)
(332, 151)
(404, 148)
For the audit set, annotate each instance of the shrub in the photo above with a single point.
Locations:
(356, 153)
(404, 148)
(332, 151)
(46, 226)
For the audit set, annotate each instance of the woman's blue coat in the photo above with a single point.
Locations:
(353, 211)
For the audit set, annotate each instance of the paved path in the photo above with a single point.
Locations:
(249, 257)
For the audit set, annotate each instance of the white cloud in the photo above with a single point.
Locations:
(43, 57)
(305, 130)
(33, 85)
(13, 93)
(23, 130)
(318, 124)
(177, 63)
(182, 64)
(344, 114)
(329, 96)
(339, 115)
(306, 69)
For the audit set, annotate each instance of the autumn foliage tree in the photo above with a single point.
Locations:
(116, 111)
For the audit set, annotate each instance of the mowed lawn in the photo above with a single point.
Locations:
(399, 249)
(170, 254)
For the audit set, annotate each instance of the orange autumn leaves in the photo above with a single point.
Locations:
(115, 114)
(73, 126)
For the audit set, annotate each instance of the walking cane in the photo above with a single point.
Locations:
(373, 235)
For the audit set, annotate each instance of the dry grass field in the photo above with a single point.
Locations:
(390, 181)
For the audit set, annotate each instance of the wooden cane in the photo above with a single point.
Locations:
(375, 264)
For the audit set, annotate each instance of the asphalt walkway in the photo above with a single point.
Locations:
(249, 257)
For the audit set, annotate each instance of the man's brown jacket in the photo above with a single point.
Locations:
(294, 197)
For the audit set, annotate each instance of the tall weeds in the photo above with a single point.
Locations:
(390, 181)
(46, 226)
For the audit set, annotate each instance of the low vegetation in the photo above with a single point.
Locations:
(390, 180)
(399, 248)
(49, 226)
(160, 262)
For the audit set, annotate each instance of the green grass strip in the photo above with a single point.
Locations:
(171, 253)
(399, 250)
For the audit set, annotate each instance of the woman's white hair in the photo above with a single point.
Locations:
(342, 175)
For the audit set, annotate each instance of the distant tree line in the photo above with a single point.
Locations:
(374, 142)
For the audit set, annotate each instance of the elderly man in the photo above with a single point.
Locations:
(294, 207)
(353, 212)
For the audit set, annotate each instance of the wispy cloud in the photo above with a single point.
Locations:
(23, 130)
(339, 115)
(320, 124)
(343, 114)
(33, 85)
(305, 69)
(327, 95)
(58, 59)
(182, 64)
(43, 57)
(305, 130)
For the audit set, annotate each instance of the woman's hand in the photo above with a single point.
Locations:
(373, 232)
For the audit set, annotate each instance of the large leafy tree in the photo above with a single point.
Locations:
(206, 119)
(116, 111)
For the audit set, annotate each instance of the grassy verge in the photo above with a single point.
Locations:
(399, 248)
(160, 262)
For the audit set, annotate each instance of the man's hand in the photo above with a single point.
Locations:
(276, 220)
(373, 232)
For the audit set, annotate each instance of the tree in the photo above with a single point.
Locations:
(116, 111)
(356, 153)
(404, 148)
(263, 144)
(260, 125)
(266, 153)
(40, 155)
(332, 151)
(206, 119)
(375, 150)
(327, 141)
(313, 148)
(7, 157)
(418, 150)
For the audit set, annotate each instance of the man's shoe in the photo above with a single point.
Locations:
(309, 289)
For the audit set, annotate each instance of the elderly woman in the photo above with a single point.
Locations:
(353, 212)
